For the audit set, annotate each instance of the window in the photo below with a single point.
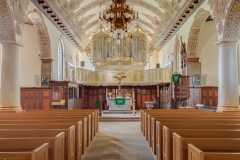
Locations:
(60, 60)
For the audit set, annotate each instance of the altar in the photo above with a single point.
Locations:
(119, 105)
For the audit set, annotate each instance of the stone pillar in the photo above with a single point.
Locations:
(228, 98)
(10, 77)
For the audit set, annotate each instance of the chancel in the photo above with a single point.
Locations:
(78, 75)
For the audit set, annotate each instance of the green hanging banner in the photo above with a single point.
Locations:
(97, 102)
(175, 78)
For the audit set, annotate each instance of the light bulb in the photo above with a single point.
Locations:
(112, 15)
(126, 34)
(128, 24)
(100, 20)
(131, 16)
(122, 35)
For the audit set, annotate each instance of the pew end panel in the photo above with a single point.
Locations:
(153, 134)
(158, 141)
(40, 153)
(70, 142)
(177, 144)
(166, 148)
(59, 146)
(194, 153)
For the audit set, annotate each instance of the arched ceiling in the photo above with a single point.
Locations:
(156, 16)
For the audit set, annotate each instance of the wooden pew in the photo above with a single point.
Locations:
(87, 123)
(52, 126)
(159, 137)
(180, 145)
(55, 145)
(152, 130)
(44, 116)
(95, 115)
(173, 114)
(170, 114)
(54, 116)
(81, 130)
(80, 135)
(40, 153)
(193, 133)
(195, 153)
(69, 151)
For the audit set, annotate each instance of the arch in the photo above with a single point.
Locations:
(43, 37)
(60, 59)
(36, 18)
(233, 23)
(7, 31)
(175, 55)
(194, 33)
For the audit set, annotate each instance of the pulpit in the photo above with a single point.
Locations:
(119, 104)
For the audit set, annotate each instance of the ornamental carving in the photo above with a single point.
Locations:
(195, 30)
(6, 23)
(219, 10)
(154, 20)
(46, 68)
(233, 23)
(43, 36)
(19, 9)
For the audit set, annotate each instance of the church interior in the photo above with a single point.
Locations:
(119, 79)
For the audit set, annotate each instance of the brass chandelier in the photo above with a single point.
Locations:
(118, 18)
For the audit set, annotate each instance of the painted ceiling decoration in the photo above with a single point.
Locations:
(78, 18)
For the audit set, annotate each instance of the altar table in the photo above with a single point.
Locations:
(114, 107)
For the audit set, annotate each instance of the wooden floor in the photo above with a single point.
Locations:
(119, 141)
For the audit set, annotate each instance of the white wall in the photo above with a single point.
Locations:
(184, 32)
(208, 53)
(154, 59)
(30, 63)
(30, 40)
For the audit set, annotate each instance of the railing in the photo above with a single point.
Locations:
(133, 78)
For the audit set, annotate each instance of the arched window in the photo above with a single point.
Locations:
(60, 60)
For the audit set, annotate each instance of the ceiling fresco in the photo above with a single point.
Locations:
(156, 16)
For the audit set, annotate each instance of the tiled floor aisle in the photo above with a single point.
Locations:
(119, 141)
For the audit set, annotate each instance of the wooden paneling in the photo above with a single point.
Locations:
(204, 95)
(142, 94)
(36, 98)
(67, 91)
(195, 96)
(93, 93)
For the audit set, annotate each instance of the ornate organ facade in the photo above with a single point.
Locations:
(110, 53)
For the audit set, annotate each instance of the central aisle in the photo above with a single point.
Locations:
(119, 141)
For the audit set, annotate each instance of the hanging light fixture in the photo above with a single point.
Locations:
(118, 18)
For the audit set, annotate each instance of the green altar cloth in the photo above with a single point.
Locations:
(120, 101)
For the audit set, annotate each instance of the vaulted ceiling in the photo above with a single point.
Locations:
(159, 18)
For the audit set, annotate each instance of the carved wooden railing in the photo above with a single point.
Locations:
(133, 78)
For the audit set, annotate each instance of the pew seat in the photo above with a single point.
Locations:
(195, 153)
(55, 145)
(40, 153)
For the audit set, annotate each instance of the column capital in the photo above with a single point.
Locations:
(9, 42)
(227, 41)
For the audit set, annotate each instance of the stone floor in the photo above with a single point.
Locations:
(119, 141)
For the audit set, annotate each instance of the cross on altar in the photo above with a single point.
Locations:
(119, 77)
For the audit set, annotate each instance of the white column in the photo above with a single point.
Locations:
(228, 97)
(10, 76)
